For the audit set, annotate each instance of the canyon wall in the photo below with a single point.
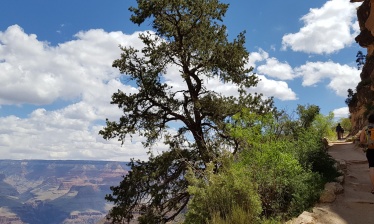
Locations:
(55, 191)
(361, 101)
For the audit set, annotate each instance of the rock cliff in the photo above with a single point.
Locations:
(361, 101)
(42, 191)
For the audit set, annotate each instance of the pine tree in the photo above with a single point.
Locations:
(189, 35)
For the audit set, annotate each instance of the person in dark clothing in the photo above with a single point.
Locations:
(339, 131)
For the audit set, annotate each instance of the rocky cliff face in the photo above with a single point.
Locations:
(57, 191)
(361, 101)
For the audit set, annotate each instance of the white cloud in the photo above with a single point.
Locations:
(271, 67)
(36, 73)
(341, 112)
(275, 69)
(255, 57)
(342, 77)
(80, 72)
(53, 135)
(278, 89)
(326, 30)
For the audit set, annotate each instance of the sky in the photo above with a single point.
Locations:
(56, 74)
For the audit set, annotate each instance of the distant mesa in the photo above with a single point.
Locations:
(85, 191)
(51, 181)
(66, 191)
(66, 185)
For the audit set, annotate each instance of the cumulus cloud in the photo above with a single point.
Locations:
(342, 77)
(255, 57)
(341, 112)
(277, 89)
(326, 30)
(34, 72)
(52, 135)
(78, 71)
(275, 69)
(266, 66)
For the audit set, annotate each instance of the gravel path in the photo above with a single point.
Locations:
(356, 204)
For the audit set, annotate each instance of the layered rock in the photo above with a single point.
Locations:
(361, 102)
(41, 191)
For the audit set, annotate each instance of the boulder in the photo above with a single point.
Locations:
(329, 193)
(327, 196)
(340, 179)
(304, 218)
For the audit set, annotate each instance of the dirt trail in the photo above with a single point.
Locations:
(356, 204)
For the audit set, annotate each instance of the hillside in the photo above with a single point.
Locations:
(42, 191)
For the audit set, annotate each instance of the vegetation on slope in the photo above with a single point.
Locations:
(283, 175)
(273, 159)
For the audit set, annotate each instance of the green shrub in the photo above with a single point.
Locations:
(237, 216)
(278, 172)
(310, 152)
(284, 186)
(226, 197)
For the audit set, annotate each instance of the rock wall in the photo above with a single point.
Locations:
(362, 101)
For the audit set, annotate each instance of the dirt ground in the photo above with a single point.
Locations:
(356, 204)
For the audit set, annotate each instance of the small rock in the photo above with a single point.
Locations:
(339, 189)
(340, 179)
(327, 196)
(331, 190)
(342, 165)
(334, 187)
(304, 218)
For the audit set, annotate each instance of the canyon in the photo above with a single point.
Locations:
(57, 191)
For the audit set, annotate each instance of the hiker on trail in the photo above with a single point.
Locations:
(339, 131)
(367, 139)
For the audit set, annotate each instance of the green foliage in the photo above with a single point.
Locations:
(190, 36)
(309, 150)
(325, 125)
(311, 154)
(307, 114)
(291, 168)
(285, 187)
(286, 173)
(226, 197)
(287, 176)
(360, 60)
(275, 173)
(351, 100)
(155, 188)
(284, 126)
(346, 124)
(252, 129)
(237, 216)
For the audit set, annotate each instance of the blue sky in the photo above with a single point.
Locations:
(56, 76)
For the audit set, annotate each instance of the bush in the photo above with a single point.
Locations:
(264, 185)
(239, 216)
(284, 186)
(276, 175)
(310, 152)
(226, 197)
